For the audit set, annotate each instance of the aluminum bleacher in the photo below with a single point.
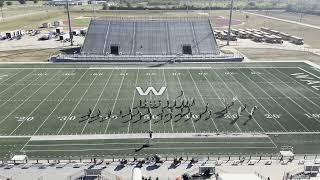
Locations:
(149, 40)
(150, 37)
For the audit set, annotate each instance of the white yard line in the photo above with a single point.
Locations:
(104, 87)
(134, 95)
(293, 89)
(17, 82)
(39, 104)
(10, 77)
(275, 145)
(296, 81)
(290, 98)
(150, 84)
(313, 64)
(278, 104)
(309, 73)
(203, 102)
(75, 107)
(25, 145)
(114, 104)
(194, 127)
(221, 80)
(167, 94)
(159, 148)
(261, 104)
(4, 119)
(66, 94)
(253, 98)
(215, 92)
(12, 97)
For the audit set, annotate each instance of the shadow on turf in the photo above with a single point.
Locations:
(152, 167)
(158, 65)
(142, 147)
(119, 167)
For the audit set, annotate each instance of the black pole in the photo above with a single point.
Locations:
(230, 21)
(69, 22)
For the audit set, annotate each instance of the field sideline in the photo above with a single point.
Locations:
(54, 99)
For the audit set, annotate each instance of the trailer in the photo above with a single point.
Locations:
(235, 31)
(274, 39)
(249, 34)
(224, 36)
(249, 30)
(296, 40)
(63, 37)
(76, 32)
(59, 30)
(83, 32)
(11, 34)
(243, 35)
(265, 29)
(257, 38)
(274, 32)
(285, 36)
(2, 36)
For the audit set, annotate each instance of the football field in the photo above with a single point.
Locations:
(63, 110)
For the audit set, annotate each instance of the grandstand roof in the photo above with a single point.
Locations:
(150, 37)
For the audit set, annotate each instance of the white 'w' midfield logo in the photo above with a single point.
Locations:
(151, 89)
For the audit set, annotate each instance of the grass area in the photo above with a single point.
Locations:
(11, 146)
(308, 34)
(133, 147)
(279, 54)
(33, 21)
(54, 13)
(53, 99)
(28, 55)
(306, 18)
(302, 143)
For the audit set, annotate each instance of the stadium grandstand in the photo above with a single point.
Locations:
(138, 40)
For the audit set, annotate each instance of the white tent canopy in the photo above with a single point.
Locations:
(286, 153)
(19, 158)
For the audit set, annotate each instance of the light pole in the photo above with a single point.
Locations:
(230, 21)
(69, 22)
(1, 13)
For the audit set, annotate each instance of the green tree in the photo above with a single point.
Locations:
(129, 5)
(105, 6)
(22, 1)
(252, 3)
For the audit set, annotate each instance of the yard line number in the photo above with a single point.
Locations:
(24, 118)
(96, 74)
(272, 116)
(67, 118)
(41, 74)
(312, 115)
